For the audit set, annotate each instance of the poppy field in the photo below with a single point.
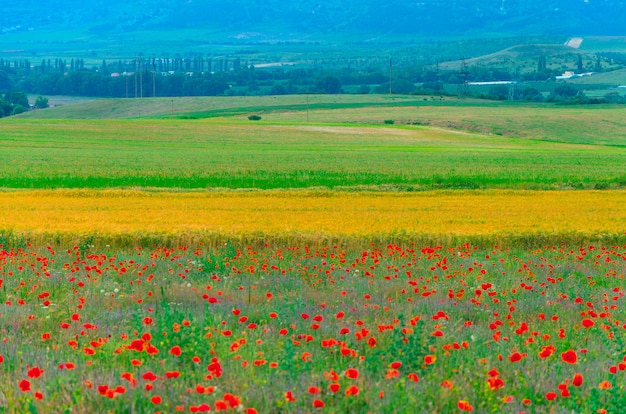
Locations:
(388, 328)
(339, 265)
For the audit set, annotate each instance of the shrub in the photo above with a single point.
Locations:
(254, 118)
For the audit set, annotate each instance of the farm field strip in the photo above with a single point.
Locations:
(463, 213)
(388, 328)
(531, 121)
(218, 154)
(566, 124)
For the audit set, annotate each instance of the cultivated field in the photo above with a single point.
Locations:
(467, 257)
(220, 153)
(319, 217)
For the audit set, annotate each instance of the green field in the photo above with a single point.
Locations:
(210, 143)
(600, 124)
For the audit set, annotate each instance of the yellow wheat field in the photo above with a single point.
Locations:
(335, 214)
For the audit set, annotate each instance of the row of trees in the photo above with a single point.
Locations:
(16, 102)
(190, 77)
(201, 75)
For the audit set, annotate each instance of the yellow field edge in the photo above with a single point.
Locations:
(124, 216)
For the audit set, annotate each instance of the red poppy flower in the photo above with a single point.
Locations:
(570, 356)
(546, 351)
(314, 390)
(24, 385)
(318, 404)
(220, 405)
(352, 390)
(351, 373)
(587, 323)
(578, 380)
(465, 406)
(35, 372)
(149, 376)
(495, 383)
(551, 395)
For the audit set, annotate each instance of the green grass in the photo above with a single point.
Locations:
(230, 153)
(614, 78)
(601, 124)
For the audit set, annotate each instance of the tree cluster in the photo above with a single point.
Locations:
(13, 103)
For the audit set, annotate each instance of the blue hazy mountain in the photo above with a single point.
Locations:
(308, 19)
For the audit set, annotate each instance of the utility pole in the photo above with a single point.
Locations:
(307, 108)
(463, 75)
(390, 75)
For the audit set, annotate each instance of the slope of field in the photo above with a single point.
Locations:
(523, 57)
(243, 154)
(296, 216)
(575, 124)
(615, 78)
(212, 106)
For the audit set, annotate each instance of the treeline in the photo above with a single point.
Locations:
(201, 76)
(16, 102)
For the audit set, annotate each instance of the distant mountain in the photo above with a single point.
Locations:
(312, 19)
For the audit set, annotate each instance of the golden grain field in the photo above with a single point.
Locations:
(335, 214)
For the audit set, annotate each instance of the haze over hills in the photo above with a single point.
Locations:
(308, 20)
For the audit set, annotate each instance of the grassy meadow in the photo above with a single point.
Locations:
(469, 257)
(348, 148)
(598, 124)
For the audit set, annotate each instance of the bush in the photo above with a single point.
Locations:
(18, 109)
(254, 118)
(389, 121)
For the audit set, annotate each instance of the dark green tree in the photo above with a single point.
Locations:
(5, 81)
(17, 98)
(329, 84)
(41, 102)
(499, 92)
(18, 109)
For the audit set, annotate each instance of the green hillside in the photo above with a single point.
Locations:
(604, 125)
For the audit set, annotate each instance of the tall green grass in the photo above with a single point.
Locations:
(242, 154)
